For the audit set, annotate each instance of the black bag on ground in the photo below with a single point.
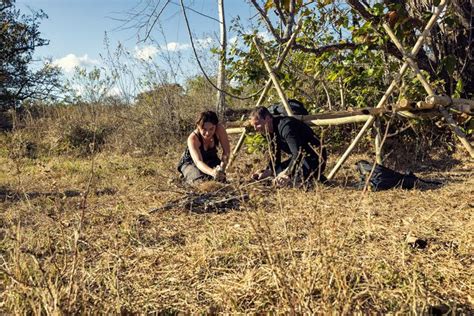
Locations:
(383, 178)
(296, 106)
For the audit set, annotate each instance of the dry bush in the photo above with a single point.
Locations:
(161, 116)
(86, 139)
(19, 147)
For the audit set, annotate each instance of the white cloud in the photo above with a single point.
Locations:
(71, 61)
(205, 42)
(114, 91)
(146, 52)
(150, 51)
(175, 47)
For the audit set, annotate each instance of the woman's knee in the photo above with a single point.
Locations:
(191, 174)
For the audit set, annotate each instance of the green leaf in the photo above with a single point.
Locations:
(459, 89)
(449, 63)
(378, 9)
(268, 5)
(332, 76)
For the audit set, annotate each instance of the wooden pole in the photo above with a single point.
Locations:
(343, 114)
(339, 120)
(221, 76)
(422, 105)
(432, 98)
(274, 78)
(280, 61)
(268, 84)
(390, 89)
(443, 100)
(464, 105)
(409, 59)
(316, 122)
(378, 141)
(235, 130)
(462, 137)
(237, 148)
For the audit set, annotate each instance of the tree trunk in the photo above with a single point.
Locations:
(220, 107)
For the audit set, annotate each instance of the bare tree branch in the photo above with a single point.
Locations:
(331, 47)
(157, 17)
(265, 18)
(199, 61)
(362, 10)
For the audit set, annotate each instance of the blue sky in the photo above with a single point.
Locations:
(76, 28)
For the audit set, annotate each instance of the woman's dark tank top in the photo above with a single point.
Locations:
(209, 156)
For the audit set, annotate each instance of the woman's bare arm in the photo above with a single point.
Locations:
(224, 140)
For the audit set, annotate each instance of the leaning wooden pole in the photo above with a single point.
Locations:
(457, 130)
(279, 62)
(267, 87)
(452, 124)
(390, 89)
(237, 147)
(274, 78)
(378, 141)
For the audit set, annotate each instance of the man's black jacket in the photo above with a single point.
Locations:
(297, 139)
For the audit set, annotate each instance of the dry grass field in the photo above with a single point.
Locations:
(77, 236)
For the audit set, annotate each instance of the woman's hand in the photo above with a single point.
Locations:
(218, 173)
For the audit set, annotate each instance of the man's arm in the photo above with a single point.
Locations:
(274, 161)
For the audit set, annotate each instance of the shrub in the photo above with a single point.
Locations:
(87, 139)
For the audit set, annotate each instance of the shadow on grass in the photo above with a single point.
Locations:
(9, 195)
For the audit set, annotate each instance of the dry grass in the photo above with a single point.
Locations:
(331, 249)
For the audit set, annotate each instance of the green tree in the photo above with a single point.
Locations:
(343, 53)
(19, 37)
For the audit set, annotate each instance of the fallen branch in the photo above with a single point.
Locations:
(205, 202)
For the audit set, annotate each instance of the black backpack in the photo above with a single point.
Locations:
(383, 178)
(296, 106)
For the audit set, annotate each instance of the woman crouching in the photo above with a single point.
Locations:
(200, 160)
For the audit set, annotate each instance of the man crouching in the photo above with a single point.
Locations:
(307, 159)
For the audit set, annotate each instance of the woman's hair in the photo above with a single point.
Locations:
(207, 117)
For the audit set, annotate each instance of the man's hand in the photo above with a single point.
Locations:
(262, 174)
(282, 180)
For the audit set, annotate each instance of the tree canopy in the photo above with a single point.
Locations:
(19, 37)
(343, 49)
